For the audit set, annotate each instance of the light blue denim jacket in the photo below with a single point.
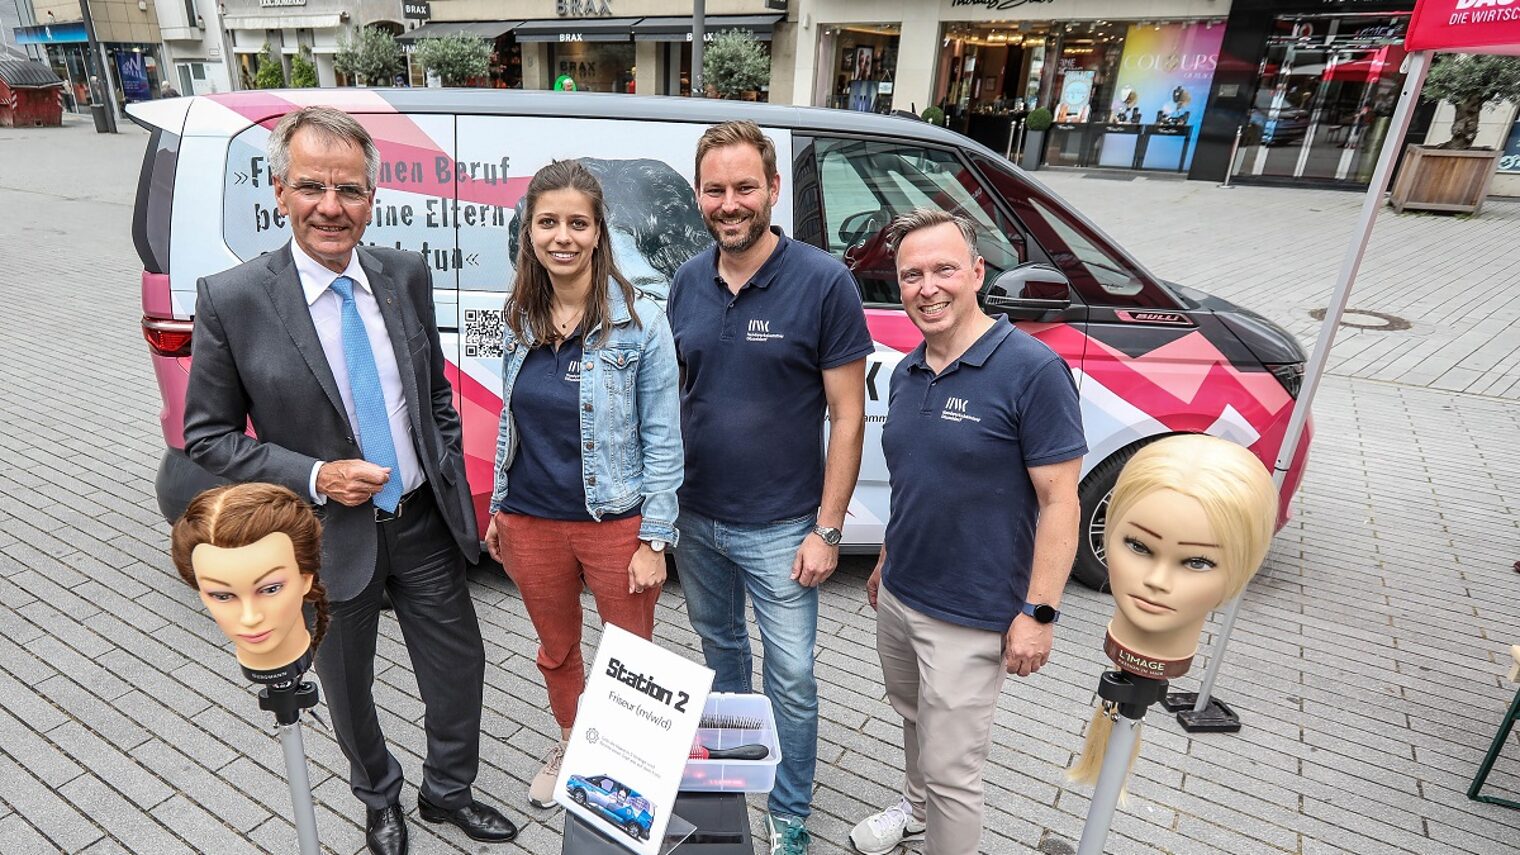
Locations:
(630, 416)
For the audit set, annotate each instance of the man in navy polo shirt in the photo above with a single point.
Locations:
(770, 335)
(984, 444)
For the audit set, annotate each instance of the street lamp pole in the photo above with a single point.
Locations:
(698, 42)
(102, 76)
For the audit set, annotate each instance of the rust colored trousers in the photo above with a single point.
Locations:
(551, 561)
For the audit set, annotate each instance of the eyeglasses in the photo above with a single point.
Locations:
(348, 194)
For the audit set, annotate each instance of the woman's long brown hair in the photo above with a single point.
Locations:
(529, 308)
(237, 515)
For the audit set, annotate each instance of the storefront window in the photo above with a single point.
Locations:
(1124, 94)
(861, 67)
(593, 66)
(1328, 87)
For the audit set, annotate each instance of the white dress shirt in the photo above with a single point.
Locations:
(327, 315)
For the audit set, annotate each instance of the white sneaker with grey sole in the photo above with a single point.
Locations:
(881, 833)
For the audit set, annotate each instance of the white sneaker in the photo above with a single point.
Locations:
(881, 833)
(541, 791)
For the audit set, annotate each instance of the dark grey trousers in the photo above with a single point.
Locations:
(419, 563)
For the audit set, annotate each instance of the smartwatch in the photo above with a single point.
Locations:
(831, 536)
(1042, 612)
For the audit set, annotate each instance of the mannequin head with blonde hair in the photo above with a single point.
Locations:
(1189, 523)
(253, 551)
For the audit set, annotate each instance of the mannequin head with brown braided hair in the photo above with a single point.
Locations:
(253, 552)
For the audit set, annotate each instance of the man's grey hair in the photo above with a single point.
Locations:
(925, 218)
(331, 125)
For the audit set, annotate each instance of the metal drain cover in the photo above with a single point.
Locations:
(1364, 319)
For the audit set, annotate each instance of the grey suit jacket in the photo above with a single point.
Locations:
(256, 358)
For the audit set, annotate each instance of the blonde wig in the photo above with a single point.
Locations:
(1240, 502)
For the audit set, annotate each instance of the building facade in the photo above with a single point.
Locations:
(195, 48)
(1128, 82)
(635, 46)
(1310, 86)
(290, 27)
(131, 47)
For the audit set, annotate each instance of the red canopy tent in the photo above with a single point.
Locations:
(1459, 26)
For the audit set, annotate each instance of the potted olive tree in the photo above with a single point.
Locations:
(1037, 123)
(1454, 176)
(735, 65)
(370, 56)
(456, 59)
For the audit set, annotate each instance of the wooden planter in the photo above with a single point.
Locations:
(1438, 179)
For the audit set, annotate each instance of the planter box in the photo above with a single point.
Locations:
(1034, 150)
(1450, 180)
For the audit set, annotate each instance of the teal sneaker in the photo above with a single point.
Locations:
(788, 835)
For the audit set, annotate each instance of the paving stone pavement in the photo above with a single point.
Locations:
(1367, 663)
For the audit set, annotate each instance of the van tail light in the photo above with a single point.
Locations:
(1290, 375)
(168, 337)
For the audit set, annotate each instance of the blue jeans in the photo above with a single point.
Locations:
(718, 562)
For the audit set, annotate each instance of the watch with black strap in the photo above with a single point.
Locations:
(1042, 612)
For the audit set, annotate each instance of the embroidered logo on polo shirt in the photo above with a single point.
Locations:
(761, 331)
(573, 372)
(955, 411)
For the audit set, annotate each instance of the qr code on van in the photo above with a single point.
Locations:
(482, 333)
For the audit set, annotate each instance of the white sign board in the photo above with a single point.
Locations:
(632, 736)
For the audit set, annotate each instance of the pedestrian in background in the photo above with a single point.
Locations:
(983, 443)
(588, 452)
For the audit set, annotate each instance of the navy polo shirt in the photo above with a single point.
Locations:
(545, 479)
(958, 446)
(752, 400)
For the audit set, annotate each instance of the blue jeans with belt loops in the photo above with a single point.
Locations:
(718, 562)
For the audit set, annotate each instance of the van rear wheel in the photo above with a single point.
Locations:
(1096, 490)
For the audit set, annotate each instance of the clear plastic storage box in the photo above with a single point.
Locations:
(747, 776)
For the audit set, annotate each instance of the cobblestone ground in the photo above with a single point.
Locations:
(1367, 662)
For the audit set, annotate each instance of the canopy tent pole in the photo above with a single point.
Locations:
(1414, 81)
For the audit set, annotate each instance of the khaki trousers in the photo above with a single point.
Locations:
(944, 680)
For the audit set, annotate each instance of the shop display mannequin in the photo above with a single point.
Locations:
(1189, 523)
(253, 552)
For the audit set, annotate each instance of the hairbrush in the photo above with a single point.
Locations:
(730, 722)
(741, 752)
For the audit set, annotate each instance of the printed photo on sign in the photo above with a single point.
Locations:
(632, 736)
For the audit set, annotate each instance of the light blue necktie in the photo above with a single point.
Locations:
(369, 397)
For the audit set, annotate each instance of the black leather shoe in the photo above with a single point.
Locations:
(385, 831)
(477, 821)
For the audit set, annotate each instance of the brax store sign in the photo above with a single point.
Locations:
(583, 8)
(416, 10)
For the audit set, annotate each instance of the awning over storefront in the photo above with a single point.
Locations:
(282, 22)
(678, 28)
(486, 30)
(575, 30)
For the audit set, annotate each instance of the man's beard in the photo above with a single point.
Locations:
(759, 224)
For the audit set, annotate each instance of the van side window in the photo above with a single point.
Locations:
(865, 184)
(1103, 275)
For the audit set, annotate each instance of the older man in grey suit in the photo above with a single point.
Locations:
(331, 351)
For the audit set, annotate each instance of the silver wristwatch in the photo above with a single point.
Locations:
(831, 536)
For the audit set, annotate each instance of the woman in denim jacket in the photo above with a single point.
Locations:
(588, 454)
